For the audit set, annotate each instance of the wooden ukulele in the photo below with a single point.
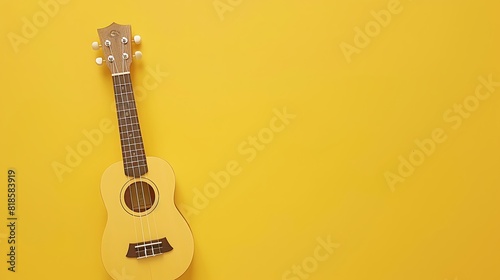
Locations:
(146, 237)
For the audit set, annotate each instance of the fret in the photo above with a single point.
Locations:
(128, 126)
(133, 150)
(131, 164)
(133, 154)
(133, 158)
(129, 160)
(122, 98)
(123, 107)
(128, 134)
(122, 91)
(127, 122)
(124, 87)
(124, 114)
(126, 103)
(130, 138)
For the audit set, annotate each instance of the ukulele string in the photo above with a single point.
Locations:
(137, 154)
(149, 197)
(129, 135)
(123, 132)
(151, 202)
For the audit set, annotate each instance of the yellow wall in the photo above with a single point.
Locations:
(389, 153)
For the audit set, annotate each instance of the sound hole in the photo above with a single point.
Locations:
(139, 196)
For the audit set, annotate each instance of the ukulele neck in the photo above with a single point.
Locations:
(134, 156)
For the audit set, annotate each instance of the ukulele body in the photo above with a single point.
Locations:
(135, 225)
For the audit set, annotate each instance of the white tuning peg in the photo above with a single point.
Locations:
(137, 39)
(95, 45)
(98, 61)
(138, 55)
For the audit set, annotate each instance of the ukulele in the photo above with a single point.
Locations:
(146, 237)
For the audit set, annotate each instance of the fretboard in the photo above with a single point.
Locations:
(134, 156)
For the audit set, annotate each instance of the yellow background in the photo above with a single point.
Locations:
(321, 177)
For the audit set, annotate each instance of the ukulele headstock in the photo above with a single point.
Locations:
(115, 41)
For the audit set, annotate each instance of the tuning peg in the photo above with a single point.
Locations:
(95, 45)
(98, 61)
(138, 55)
(137, 39)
